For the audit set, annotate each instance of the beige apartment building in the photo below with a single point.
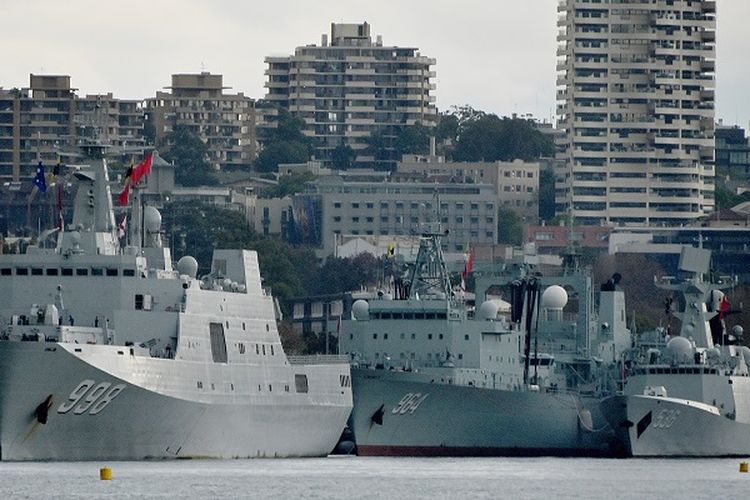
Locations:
(636, 100)
(225, 122)
(47, 120)
(350, 87)
(516, 182)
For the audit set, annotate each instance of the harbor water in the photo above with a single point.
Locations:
(354, 477)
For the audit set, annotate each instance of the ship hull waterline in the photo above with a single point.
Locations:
(665, 427)
(138, 423)
(435, 419)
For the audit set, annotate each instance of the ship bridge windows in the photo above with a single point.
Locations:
(6, 271)
(82, 271)
(97, 271)
(128, 272)
(53, 271)
(66, 271)
(112, 271)
(22, 271)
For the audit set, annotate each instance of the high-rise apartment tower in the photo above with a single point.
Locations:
(636, 101)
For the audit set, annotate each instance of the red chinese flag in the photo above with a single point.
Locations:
(143, 169)
(124, 196)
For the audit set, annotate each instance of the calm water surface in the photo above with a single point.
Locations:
(353, 477)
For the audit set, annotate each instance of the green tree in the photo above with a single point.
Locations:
(342, 157)
(414, 139)
(489, 138)
(288, 184)
(447, 127)
(288, 129)
(509, 227)
(190, 155)
(281, 152)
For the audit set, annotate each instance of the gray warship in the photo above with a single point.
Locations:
(108, 351)
(434, 376)
(687, 394)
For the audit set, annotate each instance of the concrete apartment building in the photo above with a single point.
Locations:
(733, 154)
(112, 121)
(35, 122)
(516, 183)
(225, 122)
(47, 120)
(332, 206)
(636, 100)
(350, 87)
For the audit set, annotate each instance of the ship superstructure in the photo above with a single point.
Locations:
(109, 351)
(687, 392)
(434, 376)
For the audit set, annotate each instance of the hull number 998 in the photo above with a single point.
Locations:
(90, 397)
(409, 403)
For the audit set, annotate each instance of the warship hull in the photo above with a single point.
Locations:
(395, 414)
(652, 426)
(57, 403)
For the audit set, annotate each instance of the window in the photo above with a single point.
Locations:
(111, 271)
(241, 347)
(138, 301)
(37, 271)
(82, 272)
(53, 271)
(6, 271)
(97, 271)
(128, 272)
(22, 271)
(218, 343)
(300, 383)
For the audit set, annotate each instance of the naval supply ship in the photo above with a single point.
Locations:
(108, 351)
(687, 394)
(433, 376)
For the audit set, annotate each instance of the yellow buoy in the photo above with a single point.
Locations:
(105, 473)
(743, 466)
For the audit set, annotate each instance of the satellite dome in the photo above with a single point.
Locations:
(488, 310)
(713, 354)
(737, 331)
(554, 297)
(361, 309)
(151, 219)
(680, 349)
(188, 266)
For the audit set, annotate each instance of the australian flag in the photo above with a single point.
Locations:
(39, 181)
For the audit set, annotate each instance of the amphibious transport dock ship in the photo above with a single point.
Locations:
(688, 394)
(107, 351)
(433, 376)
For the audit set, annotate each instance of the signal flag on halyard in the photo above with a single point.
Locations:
(467, 270)
(133, 176)
(122, 226)
(39, 181)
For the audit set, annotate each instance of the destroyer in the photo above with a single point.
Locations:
(687, 395)
(432, 376)
(109, 352)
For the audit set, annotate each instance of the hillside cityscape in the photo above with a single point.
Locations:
(346, 157)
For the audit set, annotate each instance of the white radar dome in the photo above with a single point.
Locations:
(680, 349)
(151, 219)
(361, 309)
(554, 297)
(737, 331)
(488, 310)
(187, 265)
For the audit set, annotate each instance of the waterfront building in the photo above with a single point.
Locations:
(636, 100)
(351, 87)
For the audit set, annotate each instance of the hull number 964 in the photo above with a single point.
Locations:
(90, 397)
(409, 403)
